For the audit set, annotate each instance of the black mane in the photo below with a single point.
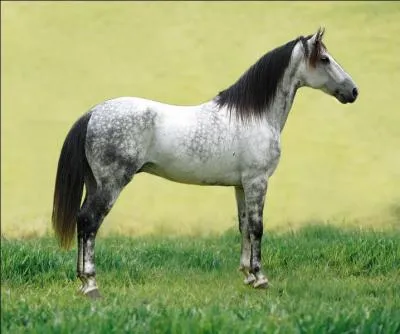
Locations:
(255, 90)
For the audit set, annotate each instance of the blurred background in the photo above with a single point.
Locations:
(340, 163)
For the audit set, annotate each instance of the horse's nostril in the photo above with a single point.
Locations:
(355, 92)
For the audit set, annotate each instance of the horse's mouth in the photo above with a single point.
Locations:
(342, 98)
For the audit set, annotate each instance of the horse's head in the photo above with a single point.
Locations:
(320, 71)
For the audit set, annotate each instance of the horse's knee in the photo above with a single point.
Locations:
(256, 229)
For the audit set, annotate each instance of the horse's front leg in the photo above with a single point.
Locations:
(255, 189)
(245, 253)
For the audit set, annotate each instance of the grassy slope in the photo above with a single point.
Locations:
(324, 280)
(58, 59)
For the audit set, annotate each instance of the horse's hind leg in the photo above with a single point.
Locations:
(96, 206)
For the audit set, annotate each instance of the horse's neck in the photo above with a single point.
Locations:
(279, 110)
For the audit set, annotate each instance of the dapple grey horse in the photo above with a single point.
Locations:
(231, 140)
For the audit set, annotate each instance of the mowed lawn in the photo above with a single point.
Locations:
(340, 163)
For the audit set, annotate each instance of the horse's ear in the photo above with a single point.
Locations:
(317, 37)
(320, 33)
(315, 43)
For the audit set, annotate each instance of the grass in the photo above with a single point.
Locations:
(339, 163)
(323, 280)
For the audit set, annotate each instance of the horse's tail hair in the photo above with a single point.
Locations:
(72, 166)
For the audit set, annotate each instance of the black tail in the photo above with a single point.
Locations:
(68, 191)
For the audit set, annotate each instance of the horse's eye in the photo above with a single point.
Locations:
(324, 60)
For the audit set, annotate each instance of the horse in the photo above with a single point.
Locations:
(231, 140)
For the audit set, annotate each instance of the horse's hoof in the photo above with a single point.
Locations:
(261, 283)
(249, 279)
(93, 294)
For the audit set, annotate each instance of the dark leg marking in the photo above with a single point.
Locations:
(255, 190)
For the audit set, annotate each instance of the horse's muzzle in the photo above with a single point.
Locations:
(348, 97)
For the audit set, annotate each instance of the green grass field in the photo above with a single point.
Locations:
(323, 280)
(168, 253)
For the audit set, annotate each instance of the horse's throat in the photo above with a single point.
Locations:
(279, 111)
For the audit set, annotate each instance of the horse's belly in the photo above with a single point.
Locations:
(223, 173)
(195, 148)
